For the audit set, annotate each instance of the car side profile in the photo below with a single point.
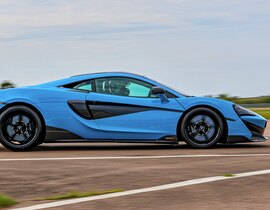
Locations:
(120, 107)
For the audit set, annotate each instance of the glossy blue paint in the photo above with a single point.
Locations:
(51, 101)
(256, 120)
(236, 126)
(153, 124)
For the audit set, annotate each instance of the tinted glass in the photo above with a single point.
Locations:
(84, 86)
(123, 87)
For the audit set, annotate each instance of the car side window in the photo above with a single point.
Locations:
(88, 86)
(123, 86)
(83, 86)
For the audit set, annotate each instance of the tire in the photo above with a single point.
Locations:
(21, 128)
(202, 128)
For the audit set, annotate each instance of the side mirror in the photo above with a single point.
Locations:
(158, 90)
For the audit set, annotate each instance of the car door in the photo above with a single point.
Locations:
(79, 121)
(126, 109)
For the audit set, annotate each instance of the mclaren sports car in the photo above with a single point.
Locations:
(120, 107)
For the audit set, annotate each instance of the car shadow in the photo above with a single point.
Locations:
(119, 146)
(136, 146)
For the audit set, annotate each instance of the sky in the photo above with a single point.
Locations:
(200, 47)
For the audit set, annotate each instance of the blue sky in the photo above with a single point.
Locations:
(198, 46)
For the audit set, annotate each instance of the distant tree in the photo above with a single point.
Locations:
(224, 96)
(7, 84)
(228, 97)
(250, 100)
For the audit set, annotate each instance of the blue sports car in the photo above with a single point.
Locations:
(120, 107)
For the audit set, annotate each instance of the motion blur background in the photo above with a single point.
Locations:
(205, 47)
(215, 48)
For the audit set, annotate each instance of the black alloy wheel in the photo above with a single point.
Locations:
(202, 128)
(21, 128)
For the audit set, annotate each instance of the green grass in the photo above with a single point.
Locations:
(75, 194)
(6, 201)
(263, 112)
(251, 100)
(229, 175)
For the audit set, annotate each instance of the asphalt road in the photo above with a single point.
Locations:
(84, 170)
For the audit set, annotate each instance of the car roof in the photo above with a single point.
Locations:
(108, 72)
(84, 77)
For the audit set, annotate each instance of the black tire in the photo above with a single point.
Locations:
(21, 128)
(202, 128)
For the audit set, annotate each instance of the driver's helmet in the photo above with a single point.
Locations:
(117, 86)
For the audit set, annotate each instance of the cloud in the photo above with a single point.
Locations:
(38, 19)
(172, 40)
(76, 32)
(29, 19)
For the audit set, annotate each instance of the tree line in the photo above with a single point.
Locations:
(239, 100)
(7, 84)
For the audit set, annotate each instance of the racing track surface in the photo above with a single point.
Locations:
(84, 170)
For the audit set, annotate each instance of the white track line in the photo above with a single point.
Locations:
(133, 157)
(143, 190)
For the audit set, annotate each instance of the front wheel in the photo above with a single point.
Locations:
(21, 128)
(202, 128)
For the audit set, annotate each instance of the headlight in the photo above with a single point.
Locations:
(241, 111)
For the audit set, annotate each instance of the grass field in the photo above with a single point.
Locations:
(79, 195)
(265, 112)
(6, 201)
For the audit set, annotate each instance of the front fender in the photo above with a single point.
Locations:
(224, 107)
(235, 125)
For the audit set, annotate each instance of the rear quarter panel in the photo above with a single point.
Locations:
(52, 104)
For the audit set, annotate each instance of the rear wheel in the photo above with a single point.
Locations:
(21, 128)
(202, 128)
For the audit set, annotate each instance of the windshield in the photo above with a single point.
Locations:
(172, 88)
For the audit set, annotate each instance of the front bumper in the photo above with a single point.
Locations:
(242, 139)
(256, 125)
(256, 131)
